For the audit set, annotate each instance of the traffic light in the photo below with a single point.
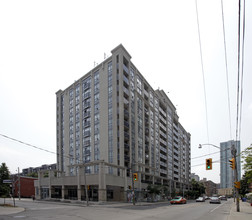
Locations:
(237, 185)
(209, 164)
(135, 177)
(232, 163)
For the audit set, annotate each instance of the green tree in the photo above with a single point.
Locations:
(153, 190)
(247, 156)
(4, 175)
(244, 186)
(197, 189)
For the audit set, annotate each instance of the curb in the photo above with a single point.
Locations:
(10, 210)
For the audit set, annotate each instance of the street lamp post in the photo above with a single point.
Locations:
(200, 145)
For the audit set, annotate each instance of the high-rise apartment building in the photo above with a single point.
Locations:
(112, 123)
(226, 172)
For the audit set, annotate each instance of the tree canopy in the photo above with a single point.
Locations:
(198, 189)
(248, 163)
(4, 175)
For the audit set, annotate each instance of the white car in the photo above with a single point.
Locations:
(215, 200)
(200, 199)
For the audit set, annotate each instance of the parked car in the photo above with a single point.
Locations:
(178, 200)
(215, 200)
(200, 199)
(223, 198)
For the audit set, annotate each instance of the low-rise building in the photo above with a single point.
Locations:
(226, 192)
(23, 186)
(211, 187)
(194, 176)
(35, 170)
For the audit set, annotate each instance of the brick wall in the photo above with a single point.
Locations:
(27, 188)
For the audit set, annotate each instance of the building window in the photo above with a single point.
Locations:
(96, 77)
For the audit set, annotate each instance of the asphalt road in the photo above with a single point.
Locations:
(192, 210)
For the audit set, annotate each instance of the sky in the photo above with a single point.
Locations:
(47, 45)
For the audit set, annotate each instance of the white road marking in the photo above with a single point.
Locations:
(218, 206)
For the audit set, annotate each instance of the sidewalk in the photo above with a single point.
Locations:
(10, 210)
(244, 214)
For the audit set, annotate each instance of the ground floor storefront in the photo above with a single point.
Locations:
(103, 185)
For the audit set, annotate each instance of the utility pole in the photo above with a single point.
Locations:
(18, 184)
(13, 190)
(233, 151)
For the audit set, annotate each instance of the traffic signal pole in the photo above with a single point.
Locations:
(236, 179)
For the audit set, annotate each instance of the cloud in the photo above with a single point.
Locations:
(250, 107)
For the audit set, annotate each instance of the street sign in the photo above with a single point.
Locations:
(7, 181)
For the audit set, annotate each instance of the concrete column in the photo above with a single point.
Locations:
(62, 192)
(62, 176)
(50, 176)
(124, 196)
(125, 179)
(39, 185)
(79, 184)
(102, 192)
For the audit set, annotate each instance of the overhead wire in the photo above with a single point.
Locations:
(226, 66)
(202, 69)
(36, 147)
(238, 68)
(30, 145)
(242, 67)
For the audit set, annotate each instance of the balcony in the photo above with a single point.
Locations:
(126, 135)
(86, 114)
(126, 147)
(86, 133)
(86, 105)
(126, 113)
(126, 102)
(125, 80)
(126, 158)
(87, 124)
(87, 143)
(146, 148)
(146, 93)
(126, 91)
(86, 95)
(125, 68)
(163, 149)
(86, 86)
(126, 124)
